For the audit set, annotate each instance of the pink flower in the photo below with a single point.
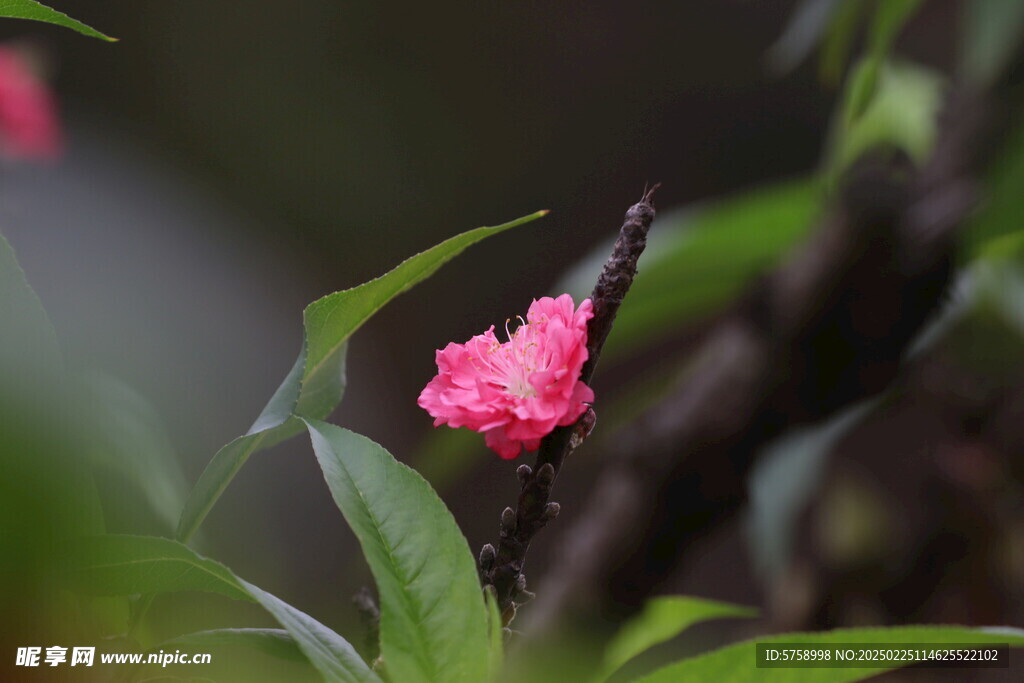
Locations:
(28, 118)
(515, 392)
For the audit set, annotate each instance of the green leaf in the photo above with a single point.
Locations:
(218, 474)
(902, 112)
(736, 662)
(433, 624)
(330, 321)
(316, 382)
(30, 9)
(699, 259)
(332, 655)
(125, 565)
(662, 619)
(275, 424)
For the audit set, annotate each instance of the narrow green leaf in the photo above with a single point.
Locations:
(30, 9)
(125, 565)
(662, 619)
(736, 663)
(215, 479)
(330, 321)
(275, 424)
(699, 258)
(316, 382)
(433, 623)
(282, 404)
(332, 655)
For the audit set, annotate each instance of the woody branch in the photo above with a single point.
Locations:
(501, 567)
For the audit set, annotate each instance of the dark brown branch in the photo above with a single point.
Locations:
(502, 567)
(617, 276)
(829, 327)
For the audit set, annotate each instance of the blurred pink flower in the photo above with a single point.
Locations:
(518, 391)
(28, 117)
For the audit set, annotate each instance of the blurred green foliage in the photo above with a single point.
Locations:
(662, 619)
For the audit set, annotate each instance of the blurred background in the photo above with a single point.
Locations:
(224, 165)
